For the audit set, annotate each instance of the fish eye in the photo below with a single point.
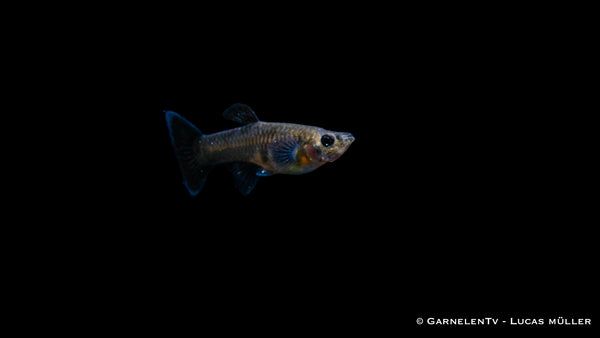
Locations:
(327, 140)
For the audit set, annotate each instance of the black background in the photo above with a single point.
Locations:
(460, 196)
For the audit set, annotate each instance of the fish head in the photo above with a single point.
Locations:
(310, 148)
(327, 146)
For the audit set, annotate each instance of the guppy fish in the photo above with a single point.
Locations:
(253, 150)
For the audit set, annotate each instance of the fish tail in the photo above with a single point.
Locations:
(184, 138)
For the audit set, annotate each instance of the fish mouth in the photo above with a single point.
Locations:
(346, 139)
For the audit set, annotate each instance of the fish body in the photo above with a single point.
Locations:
(254, 150)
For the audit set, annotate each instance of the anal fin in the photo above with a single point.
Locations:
(244, 176)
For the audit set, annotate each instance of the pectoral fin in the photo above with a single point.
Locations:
(284, 151)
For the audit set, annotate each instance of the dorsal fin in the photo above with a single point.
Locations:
(240, 113)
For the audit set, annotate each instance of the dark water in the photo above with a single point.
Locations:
(457, 195)
(445, 201)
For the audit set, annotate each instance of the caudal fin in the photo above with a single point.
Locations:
(184, 136)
